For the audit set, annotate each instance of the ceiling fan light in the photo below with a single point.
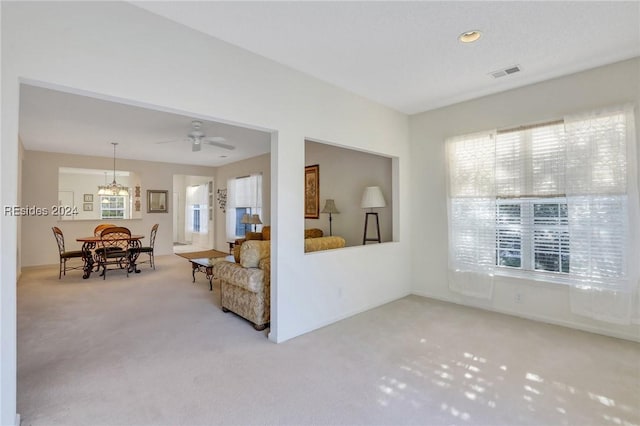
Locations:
(469, 36)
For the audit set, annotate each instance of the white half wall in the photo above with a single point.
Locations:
(614, 84)
(119, 51)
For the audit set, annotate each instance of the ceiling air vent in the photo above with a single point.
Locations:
(505, 71)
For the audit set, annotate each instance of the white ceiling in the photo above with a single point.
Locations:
(401, 54)
(54, 121)
(406, 55)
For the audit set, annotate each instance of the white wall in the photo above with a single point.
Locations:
(259, 164)
(550, 100)
(40, 188)
(178, 208)
(117, 50)
(344, 173)
(81, 184)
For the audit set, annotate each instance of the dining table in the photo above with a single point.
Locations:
(88, 251)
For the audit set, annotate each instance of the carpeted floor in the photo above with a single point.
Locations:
(204, 253)
(155, 349)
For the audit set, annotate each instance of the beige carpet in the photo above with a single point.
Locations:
(155, 349)
(204, 253)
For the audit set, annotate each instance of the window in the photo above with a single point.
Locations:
(550, 237)
(509, 235)
(241, 228)
(112, 207)
(545, 202)
(196, 218)
(533, 235)
(244, 196)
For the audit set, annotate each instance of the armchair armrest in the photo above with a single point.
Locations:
(251, 279)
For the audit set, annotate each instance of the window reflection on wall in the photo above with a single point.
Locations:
(78, 189)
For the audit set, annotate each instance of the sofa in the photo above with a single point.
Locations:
(245, 286)
(265, 235)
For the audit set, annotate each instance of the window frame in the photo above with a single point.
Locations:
(593, 165)
(526, 229)
(116, 209)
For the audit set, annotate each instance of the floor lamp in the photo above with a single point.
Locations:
(372, 198)
(330, 207)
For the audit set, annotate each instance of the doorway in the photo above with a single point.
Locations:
(193, 227)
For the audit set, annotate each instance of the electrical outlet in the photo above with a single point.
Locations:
(518, 298)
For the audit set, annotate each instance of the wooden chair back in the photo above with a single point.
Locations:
(154, 231)
(115, 237)
(98, 229)
(57, 232)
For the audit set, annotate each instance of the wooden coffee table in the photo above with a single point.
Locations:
(205, 265)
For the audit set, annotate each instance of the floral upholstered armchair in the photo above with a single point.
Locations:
(245, 287)
(264, 235)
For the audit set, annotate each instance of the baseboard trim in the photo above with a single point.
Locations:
(344, 316)
(539, 318)
(39, 267)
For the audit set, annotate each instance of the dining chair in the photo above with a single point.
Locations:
(96, 232)
(149, 249)
(98, 229)
(64, 254)
(113, 249)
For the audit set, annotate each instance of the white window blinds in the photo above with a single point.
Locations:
(597, 196)
(242, 192)
(550, 202)
(472, 212)
(530, 162)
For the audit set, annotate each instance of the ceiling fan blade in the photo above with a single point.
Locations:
(219, 144)
(175, 140)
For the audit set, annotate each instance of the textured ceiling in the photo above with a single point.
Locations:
(401, 54)
(54, 121)
(406, 55)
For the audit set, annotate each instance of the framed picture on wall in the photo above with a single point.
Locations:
(312, 192)
(87, 207)
(157, 201)
(88, 198)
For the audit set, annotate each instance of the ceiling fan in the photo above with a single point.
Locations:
(197, 138)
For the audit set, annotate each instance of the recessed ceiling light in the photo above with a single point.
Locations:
(469, 36)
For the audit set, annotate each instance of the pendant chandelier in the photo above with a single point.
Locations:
(113, 188)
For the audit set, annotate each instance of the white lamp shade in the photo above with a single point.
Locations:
(372, 197)
(246, 218)
(255, 220)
